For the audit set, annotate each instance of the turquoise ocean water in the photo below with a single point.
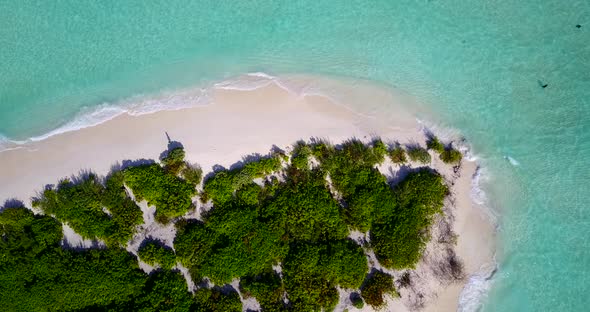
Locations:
(478, 65)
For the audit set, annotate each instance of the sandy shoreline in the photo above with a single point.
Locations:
(236, 124)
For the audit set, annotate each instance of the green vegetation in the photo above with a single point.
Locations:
(447, 154)
(379, 150)
(155, 253)
(267, 288)
(357, 300)
(92, 209)
(269, 212)
(300, 155)
(419, 154)
(398, 236)
(174, 163)
(451, 156)
(303, 208)
(312, 270)
(398, 155)
(174, 160)
(163, 291)
(192, 174)
(216, 300)
(364, 189)
(378, 284)
(36, 274)
(170, 194)
(221, 187)
(434, 144)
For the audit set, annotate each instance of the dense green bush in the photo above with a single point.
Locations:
(434, 144)
(156, 253)
(125, 213)
(163, 291)
(192, 174)
(78, 204)
(174, 163)
(451, 156)
(216, 300)
(378, 284)
(419, 154)
(313, 270)
(268, 290)
(293, 220)
(193, 244)
(221, 187)
(36, 274)
(81, 204)
(231, 244)
(300, 155)
(398, 236)
(398, 155)
(174, 160)
(363, 188)
(304, 209)
(24, 235)
(170, 194)
(356, 300)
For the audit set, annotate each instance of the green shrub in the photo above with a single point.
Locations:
(419, 154)
(174, 160)
(434, 144)
(379, 151)
(294, 221)
(313, 270)
(170, 194)
(398, 155)
(221, 187)
(398, 236)
(192, 174)
(214, 300)
(322, 150)
(300, 156)
(164, 291)
(36, 274)
(230, 244)
(193, 244)
(353, 174)
(125, 213)
(268, 290)
(25, 235)
(378, 284)
(357, 300)
(249, 194)
(79, 205)
(451, 156)
(304, 208)
(155, 253)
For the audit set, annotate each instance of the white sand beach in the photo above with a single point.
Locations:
(240, 122)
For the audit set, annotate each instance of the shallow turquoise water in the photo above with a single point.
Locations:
(476, 64)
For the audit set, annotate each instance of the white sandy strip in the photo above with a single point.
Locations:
(238, 123)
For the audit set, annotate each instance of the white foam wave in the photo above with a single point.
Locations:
(476, 289)
(87, 118)
(135, 106)
(477, 194)
(7, 144)
(248, 82)
(257, 80)
(167, 100)
(443, 132)
(4, 142)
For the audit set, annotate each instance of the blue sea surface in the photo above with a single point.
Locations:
(478, 65)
